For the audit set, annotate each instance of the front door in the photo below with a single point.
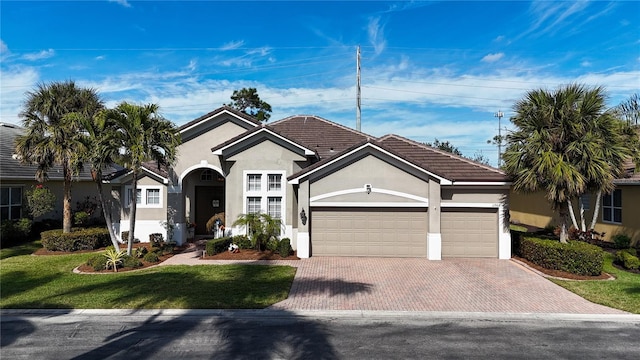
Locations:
(209, 201)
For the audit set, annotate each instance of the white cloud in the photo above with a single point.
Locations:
(3, 47)
(585, 63)
(232, 45)
(492, 57)
(100, 57)
(16, 81)
(499, 38)
(44, 54)
(376, 35)
(124, 3)
(192, 65)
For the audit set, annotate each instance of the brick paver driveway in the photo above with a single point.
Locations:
(468, 285)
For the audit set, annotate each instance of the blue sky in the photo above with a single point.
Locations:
(429, 69)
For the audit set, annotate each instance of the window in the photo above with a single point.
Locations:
(10, 203)
(206, 175)
(585, 200)
(147, 196)
(253, 182)
(153, 196)
(274, 207)
(612, 207)
(275, 182)
(253, 205)
(265, 192)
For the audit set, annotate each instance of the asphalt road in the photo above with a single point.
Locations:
(278, 334)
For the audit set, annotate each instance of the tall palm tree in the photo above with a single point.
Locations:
(101, 150)
(142, 135)
(52, 136)
(260, 227)
(565, 144)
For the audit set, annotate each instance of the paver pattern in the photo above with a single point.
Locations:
(394, 284)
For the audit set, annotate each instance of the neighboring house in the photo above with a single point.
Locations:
(338, 192)
(619, 211)
(17, 179)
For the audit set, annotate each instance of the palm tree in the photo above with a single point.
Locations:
(52, 136)
(565, 144)
(260, 227)
(142, 135)
(102, 148)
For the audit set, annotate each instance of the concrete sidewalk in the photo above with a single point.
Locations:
(418, 285)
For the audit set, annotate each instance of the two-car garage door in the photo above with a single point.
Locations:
(402, 232)
(369, 232)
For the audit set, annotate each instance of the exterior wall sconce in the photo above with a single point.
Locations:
(303, 217)
(367, 188)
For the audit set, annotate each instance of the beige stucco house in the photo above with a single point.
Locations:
(338, 192)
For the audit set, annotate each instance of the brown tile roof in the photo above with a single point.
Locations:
(442, 163)
(631, 176)
(324, 137)
(438, 162)
(217, 111)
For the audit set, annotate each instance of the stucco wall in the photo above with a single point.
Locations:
(146, 213)
(459, 194)
(370, 170)
(534, 209)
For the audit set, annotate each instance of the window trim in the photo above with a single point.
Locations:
(611, 208)
(9, 205)
(264, 193)
(143, 204)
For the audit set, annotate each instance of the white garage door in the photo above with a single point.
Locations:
(469, 232)
(369, 232)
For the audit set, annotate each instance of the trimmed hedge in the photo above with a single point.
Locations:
(13, 232)
(575, 257)
(628, 259)
(216, 246)
(284, 247)
(77, 239)
(242, 241)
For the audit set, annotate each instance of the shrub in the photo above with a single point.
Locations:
(272, 245)
(628, 259)
(242, 241)
(574, 257)
(124, 236)
(151, 257)
(284, 247)
(131, 262)
(621, 241)
(77, 239)
(14, 232)
(156, 239)
(81, 218)
(40, 201)
(140, 252)
(216, 246)
(97, 262)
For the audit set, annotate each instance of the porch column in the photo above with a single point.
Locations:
(303, 241)
(175, 205)
(434, 237)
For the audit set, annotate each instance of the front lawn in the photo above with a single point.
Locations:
(622, 293)
(22, 249)
(29, 282)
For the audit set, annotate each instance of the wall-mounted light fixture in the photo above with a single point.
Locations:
(367, 188)
(303, 217)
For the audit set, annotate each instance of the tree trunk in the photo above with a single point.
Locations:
(132, 213)
(66, 203)
(596, 209)
(573, 215)
(564, 236)
(583, 226)
(97, 177)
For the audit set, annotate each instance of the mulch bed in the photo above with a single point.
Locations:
(250, 254)
(562, 274)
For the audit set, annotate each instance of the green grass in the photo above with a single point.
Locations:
(28, 282)
(22, 249)
(622, 293)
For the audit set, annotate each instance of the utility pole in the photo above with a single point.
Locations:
(358, 89)
(499, 115)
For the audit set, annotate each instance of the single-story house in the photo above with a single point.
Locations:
(619, 211)
(338, 191)
(17, 179)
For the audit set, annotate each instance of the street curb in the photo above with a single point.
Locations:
(326, 314)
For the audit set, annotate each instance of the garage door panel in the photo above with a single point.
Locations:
(469, 233)
(369, 232)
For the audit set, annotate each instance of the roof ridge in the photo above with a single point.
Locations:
(324, 120)
(451, 155)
